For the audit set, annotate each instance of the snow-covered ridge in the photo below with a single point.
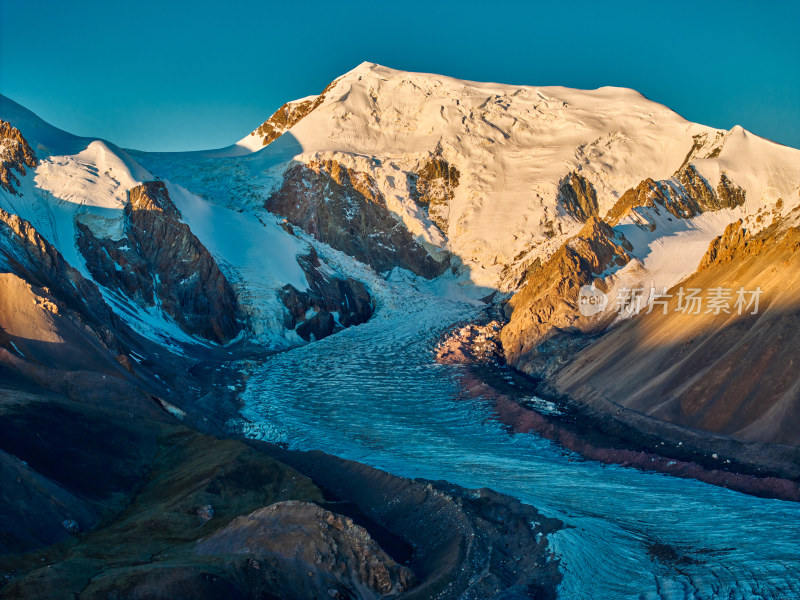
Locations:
(512, 145)
(85, 181)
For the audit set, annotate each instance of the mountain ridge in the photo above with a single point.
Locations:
(514, 188)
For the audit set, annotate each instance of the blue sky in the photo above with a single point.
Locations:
(181, 75)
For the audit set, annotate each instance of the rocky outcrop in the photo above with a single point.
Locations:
(578, 196)
(729, 193)
(283, 119)
(684, 197)
(15, 155)
(287, 116)
(466, 543)
(699, 194)
(433, 186)
(160, 262)
(329, 304)
(723, 248)
(300, 550)
(472, 344)
(547, 303)
(345, 209)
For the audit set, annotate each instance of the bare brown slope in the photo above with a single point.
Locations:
(37, 328)
(728, 374)
(26, 254)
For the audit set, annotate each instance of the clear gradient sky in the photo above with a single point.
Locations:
(177, 75)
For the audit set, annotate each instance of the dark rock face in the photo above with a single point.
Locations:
(578, 196)
(697, 189)
(686, 197)
(15, 155)
(345, 209)
(433, 186)
(335, 302)
(729, 193)
(548, 301)
(160, 261)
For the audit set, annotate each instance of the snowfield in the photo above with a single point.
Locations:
(512, 146)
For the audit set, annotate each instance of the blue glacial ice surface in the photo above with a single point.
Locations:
(374, 394)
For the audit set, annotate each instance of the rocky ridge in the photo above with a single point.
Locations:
(15, 155)
(316, 553)
(686, 195)
(287, 116)
(159, 261)
(433, 186)
(547, 303)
